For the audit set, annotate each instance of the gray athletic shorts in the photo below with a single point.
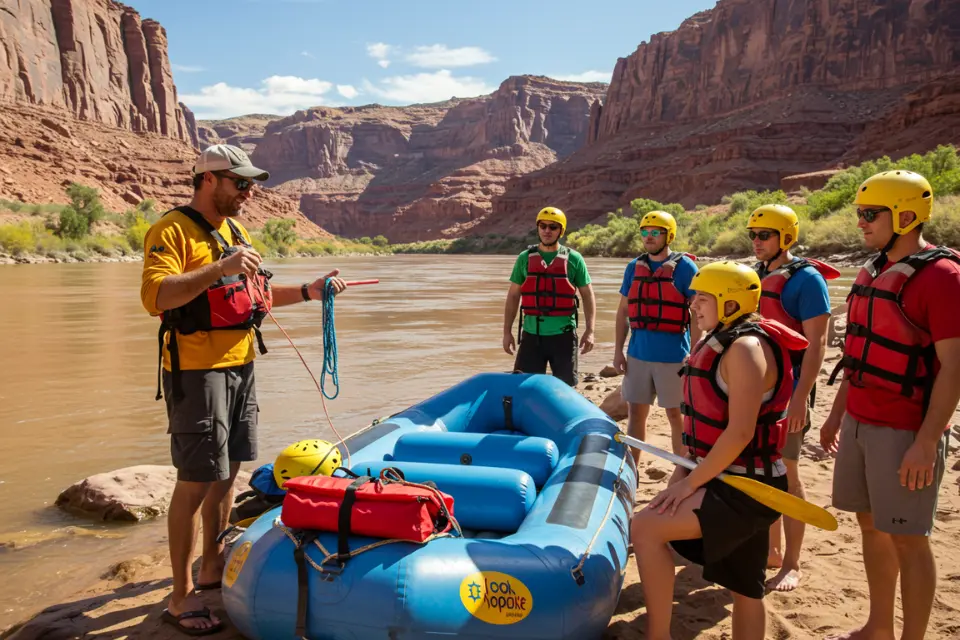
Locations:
(791, 450)
(645, 381)
(214, 424)
(866, 478)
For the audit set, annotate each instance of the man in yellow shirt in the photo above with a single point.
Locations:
(203, 278)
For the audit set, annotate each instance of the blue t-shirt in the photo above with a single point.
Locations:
(805, 296)
(660, 346)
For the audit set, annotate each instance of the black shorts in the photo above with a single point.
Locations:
(214, 424)
(559, 351)
(736, 536)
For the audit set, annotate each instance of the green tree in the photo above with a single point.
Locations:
(279, 235)
(84, 210)
(380, 241)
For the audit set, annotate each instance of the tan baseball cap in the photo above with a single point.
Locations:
(226, 157)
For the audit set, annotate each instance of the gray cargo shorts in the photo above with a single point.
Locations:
(866, 478)
(214, 424)
(645, 381)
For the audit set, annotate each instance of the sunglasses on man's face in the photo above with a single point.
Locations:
(763, 235)
(552, 227)
(651, 233)
(242, 184)
(870, 214)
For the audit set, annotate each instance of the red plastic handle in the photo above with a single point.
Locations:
(354, 283)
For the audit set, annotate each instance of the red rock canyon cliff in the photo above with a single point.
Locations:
(418, 172)
(752, 91)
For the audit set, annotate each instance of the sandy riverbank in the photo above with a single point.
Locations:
(126, 602)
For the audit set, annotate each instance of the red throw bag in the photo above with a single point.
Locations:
(366, 507)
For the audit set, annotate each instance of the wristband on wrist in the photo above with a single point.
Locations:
(305, 292)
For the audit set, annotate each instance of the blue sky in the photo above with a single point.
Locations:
(276, 56)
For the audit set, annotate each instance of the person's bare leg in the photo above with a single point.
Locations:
(675, 418)
(775, 552)
(182, 522)
(918, 583)
(749, 618)
(637, 424)
(883, 567)
(215, 514)
(651, 533)
(789, 576)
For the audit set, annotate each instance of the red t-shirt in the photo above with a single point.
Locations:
(931, 300)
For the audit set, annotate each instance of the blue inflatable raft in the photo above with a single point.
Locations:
(541, 490)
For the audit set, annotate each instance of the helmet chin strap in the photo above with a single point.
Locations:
(765, 269)
(881, 260)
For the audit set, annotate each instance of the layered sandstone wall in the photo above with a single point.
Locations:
(752, 91)
(423, 171)
(95, 58)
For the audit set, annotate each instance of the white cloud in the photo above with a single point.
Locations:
(427, 87)
(586, 76)
(186, 68)
(280, 95)
(438, 56)
(348, 91)
(380, 51)
(307, 54)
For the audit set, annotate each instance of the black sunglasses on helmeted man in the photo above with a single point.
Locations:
(552, 227)
(242, 184)
(763, 235)
(870, 214)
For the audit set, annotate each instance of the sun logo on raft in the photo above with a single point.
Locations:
(474, 591)
(496, 598)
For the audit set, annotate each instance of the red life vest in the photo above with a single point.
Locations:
(230, 303)
(883, 348)
(705, 405)
(654, 303)
(547, 290)
(774, 282)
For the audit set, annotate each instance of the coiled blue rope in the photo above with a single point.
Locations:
(330, 363)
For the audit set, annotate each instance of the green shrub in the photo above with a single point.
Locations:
(18, 239)
(136, 231)
(732, 242)
(944, 227)
(73, 224)
(836, 233)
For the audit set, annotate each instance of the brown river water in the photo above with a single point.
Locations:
(78, 377)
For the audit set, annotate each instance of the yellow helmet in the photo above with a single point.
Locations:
(728, 280)
(898, 190)
(661, 219)
(778, 217)
(306, 458)
(552, 214)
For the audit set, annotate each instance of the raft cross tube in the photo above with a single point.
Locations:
(484, 498)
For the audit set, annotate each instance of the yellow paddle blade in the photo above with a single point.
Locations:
(245, 524)
(787, 504)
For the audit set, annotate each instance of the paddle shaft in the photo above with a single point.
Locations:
(780, 501)
(657, 451)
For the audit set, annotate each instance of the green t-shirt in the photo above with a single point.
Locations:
(576, 273)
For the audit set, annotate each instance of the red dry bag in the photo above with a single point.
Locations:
(378, 508)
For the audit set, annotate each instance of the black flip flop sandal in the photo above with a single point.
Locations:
(175, 621)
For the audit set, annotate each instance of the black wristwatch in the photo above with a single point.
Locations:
(305, 292)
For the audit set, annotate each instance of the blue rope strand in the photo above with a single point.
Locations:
(330, 363)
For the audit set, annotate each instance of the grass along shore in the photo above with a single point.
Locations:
(84, 231)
